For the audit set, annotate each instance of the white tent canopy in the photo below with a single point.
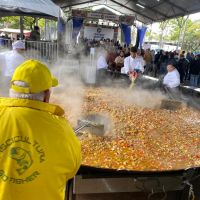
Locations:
(38, 8)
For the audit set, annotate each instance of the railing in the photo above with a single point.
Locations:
(5, 44)
(40, 50)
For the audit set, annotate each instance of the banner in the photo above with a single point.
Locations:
(127, 33)
(77, 24)
(142, 34)
(124, 19)
(105, 16)
(137, 38)
(98, 33)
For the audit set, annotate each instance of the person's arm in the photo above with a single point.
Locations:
(143, 63)
(166, 80)
(116, 60)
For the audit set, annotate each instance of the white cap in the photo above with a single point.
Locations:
(18, 45)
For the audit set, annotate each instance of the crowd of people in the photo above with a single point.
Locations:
(112, 56)
(188, 66)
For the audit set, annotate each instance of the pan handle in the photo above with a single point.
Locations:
(81, 127)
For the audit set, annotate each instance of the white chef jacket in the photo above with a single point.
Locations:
(101, 62)
(131, 64)
(12, 60)
(172, 79)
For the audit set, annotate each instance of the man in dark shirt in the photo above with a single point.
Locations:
(35, 34)
(182, 67)
(195, 71)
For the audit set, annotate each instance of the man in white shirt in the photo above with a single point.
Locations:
(132, 63)
(172, 78)
(9, 62)
(140, 62)
(102, 66)
(171, 81)
(14, 58)
(101, 63)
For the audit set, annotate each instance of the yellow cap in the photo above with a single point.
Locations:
(36, 75)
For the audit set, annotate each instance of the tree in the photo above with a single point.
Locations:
(179, 25)
(13, 22)
(150, 34)
(191, 35)
(181, 31)
(10, 22)
(162, 26)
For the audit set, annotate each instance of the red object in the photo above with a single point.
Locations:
(134, 74)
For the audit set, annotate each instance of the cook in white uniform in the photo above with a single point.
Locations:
(9, 61)
(132, 63)
(171, 82)
(101, 60)
(172, 78)
(14, 58)
(101, 66)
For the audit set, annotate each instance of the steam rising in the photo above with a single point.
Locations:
(69, 93)
(76, 69)
(73, 75)
(139, 97)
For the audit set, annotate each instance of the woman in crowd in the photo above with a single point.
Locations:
(119, 61)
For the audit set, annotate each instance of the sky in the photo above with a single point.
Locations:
(195, 16)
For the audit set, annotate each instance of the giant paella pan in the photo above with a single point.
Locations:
(141, 139)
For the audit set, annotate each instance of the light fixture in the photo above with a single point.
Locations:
(139, 5)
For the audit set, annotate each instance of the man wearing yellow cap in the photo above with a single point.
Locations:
(39, 151)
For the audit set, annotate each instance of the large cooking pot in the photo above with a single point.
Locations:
(91, 183)
(184, 183)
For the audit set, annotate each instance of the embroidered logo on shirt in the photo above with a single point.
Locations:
(17, 149)
(23, 158)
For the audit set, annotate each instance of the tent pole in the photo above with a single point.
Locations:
(21, 21)
(45, 28)
(36, 21)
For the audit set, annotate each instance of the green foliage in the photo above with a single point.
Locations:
(10, 22)
(152, 36)
(182, 30)
(192, 36)
(13, 22)
(163, 25)
(191, 39)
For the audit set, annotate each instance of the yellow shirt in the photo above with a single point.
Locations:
(39, 151)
